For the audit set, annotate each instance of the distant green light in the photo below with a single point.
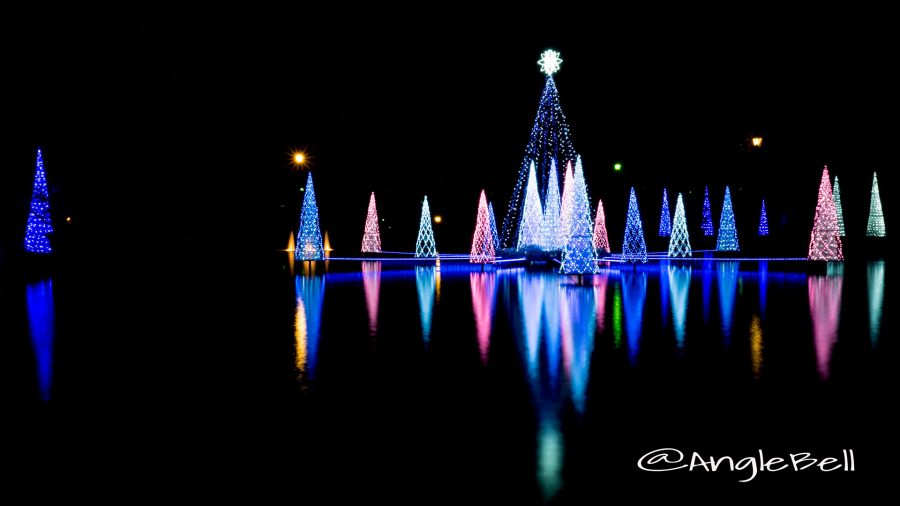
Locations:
(617, 167)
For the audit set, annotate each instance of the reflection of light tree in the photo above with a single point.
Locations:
(371, 276)
(875, 278)
(679, 286)
(727, 275)
(483, 290)
(41, 327)
(310, 291)
(634, 293)
(825, 311)
(425, 286)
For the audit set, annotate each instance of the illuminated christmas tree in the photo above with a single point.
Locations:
(727, 240)
(425, 247)
(552, 234)
(39, 224)
(532, 215)
(309, 237)
(601, 238)
(825, 240)
(493, 227)
(371, 242)
(565, 214)
(680, 243)
(634, 249)
(665, 219)
(763, 220)
(839, 209)
(578, 255)
(707, 223)
(482, 242)
(549, 142)
(876, 218)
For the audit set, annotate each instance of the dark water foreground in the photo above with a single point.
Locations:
(447, 384)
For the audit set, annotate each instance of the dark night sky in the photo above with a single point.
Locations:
(175, 135)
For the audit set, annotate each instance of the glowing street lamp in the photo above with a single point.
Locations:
(299, 158)
(617, 167)
(437, 218)
(756, 142)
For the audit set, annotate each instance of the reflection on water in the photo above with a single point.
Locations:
(307, 323)
(875, 278)
(600, 283)
(531, 291)
(706, 278)
(425, 286)
(756, 345)
(763, 286)
(552, 330)
(728, 275)
(371, 275)
(664, 294)
(679, 284)
(825, 310)
(578, 316)
(634, 293)
(41, 326)
(550, 455)
(483, 288)
(617, 316)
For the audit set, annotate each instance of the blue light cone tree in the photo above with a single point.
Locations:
(707, 224)
(549, 142)
(578, 255)
(665, 218)
(680, 242)
(425, 246)
(309, 237)
(39, 224)
(763, 220)
(634, 249)
(565, 217)
(532, 215)
(494, 234)
(836, 193)
(552, 234)
(727, 240)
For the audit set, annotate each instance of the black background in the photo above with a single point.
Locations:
(167, 138)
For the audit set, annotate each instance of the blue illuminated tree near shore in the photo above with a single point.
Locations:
(727, 240)
(309, 237)
(39, 224)
(634, 248)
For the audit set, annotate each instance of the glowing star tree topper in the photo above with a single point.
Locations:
(39, 224)
(550, 62)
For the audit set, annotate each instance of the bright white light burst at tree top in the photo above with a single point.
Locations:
(550, 61)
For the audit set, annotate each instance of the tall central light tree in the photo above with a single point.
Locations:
(727, 240)
(875, 227)
(601, 238)
(634, 248)
(482, 242)
(532, 215)
(839, 209)
(665, 219)
(552, 233)
(371, 242)
(39, 225)
(549, 142)
(309, 238)
(425, 246)
(680, 243)
(825, 240)
(707, 223)
(578, 255)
